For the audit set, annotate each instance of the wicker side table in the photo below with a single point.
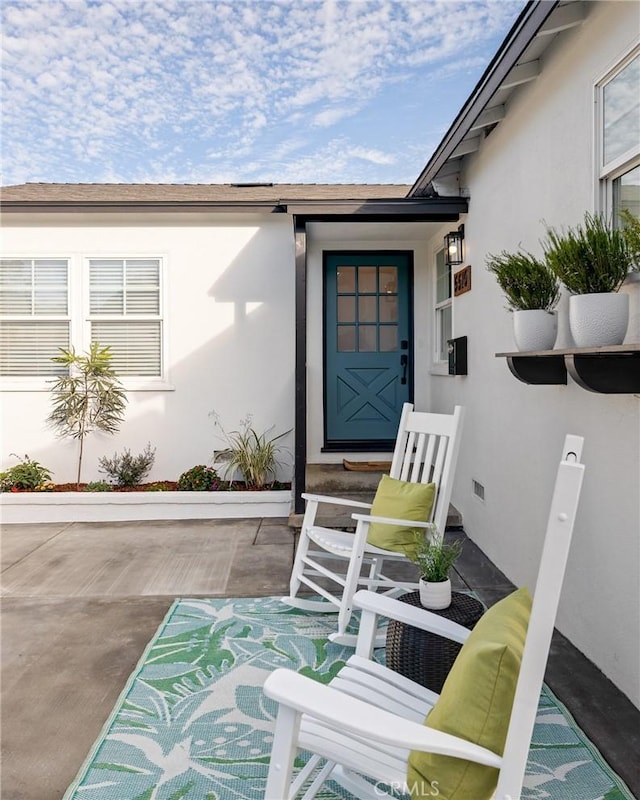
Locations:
(425, 657)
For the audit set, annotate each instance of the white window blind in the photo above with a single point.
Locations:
(34, 316)
(124, 307)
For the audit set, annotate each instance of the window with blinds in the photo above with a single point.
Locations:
(124, 313)
(34, 315)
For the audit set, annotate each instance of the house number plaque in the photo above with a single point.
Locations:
(462, 281)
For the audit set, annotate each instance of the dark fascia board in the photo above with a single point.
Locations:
(115, 207)
(403, 209)
(522, 33)
(431, 208)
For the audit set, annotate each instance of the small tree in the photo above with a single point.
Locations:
(90, 397)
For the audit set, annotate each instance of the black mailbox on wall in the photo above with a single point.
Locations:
(457, 349)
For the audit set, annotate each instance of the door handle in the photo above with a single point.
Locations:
(404, 361)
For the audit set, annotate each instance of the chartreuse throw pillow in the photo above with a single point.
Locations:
(475, 703)
(400, 500)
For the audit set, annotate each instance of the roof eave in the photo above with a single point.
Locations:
(522, 33)
(440, 208)
(84, 206)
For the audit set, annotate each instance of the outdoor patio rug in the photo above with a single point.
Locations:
(192, 722)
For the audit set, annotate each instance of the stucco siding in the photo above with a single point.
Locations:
(229, 334)
(538, 167)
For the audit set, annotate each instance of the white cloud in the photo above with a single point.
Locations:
(100, 87)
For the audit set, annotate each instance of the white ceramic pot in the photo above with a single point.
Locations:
(535, 329)
(435, 595)
(599, 319)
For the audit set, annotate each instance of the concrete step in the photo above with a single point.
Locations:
(334, 480)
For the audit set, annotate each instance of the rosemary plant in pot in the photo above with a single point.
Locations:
(592, 260)
(435, 558)
(532, 292)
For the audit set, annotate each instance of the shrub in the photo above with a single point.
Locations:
(98, 486)
(526, 281)
(128, 470)
(28, 474)
(590, 258)
(198, 479)
(87, 397)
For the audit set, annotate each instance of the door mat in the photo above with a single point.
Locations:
(366, 466)
(192, 722)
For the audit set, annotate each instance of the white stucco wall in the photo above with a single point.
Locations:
(538, 166)
(230, 324)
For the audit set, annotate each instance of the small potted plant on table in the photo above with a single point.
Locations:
(532, 291)
(435, 558)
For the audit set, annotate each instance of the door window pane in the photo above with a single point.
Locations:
(388, 280)
(367, 338)
(346, 280)
(367, 309)
(367, 279)
(388, 308)
(388, 338)
(346, 309)
(346, 338)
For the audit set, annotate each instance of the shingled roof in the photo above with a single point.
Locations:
(307, 202)
(268, 193)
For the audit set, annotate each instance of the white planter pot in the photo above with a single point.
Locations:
(600, 319)
(535, 329)
(435, 595)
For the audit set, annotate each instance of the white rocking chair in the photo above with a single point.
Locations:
(426, 451)
(366, 722)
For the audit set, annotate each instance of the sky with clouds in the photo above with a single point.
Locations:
(205, 91)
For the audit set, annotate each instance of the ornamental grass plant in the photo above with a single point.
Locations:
(252, 454)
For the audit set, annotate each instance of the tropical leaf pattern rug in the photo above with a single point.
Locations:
(192, 722)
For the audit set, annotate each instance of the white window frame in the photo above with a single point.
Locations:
(39, 382)
(440, 365)
(79, 320)
(607, 173)
(131, 382)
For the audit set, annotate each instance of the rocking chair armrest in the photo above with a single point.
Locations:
(335, 501)
(391, 521)
(421, 618)
(348, 714)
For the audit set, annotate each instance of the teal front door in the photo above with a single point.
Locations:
(368, 348)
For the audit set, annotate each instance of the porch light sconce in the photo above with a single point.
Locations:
(453, 252)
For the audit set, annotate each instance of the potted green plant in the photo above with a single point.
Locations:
(532, 292)
(435, 558)
(592, 260)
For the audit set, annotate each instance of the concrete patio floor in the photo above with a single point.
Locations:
(81, 601)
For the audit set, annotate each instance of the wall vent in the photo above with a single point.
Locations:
(478, 489)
